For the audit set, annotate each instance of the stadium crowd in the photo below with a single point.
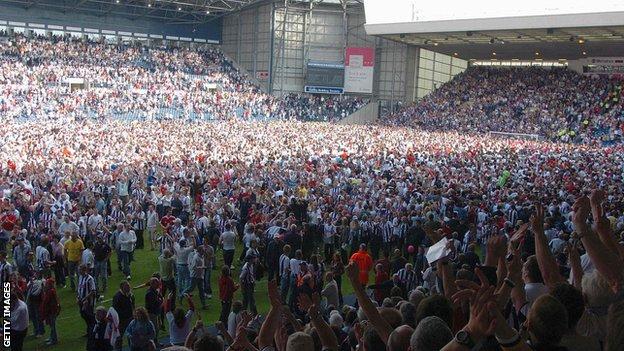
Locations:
(139, 83)
(558, 104)
(312, 203)
(318, 108)
(449, 240)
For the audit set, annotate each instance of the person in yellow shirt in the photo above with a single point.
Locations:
(73, 252)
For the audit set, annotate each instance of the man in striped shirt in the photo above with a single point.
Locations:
(86, 297)
(248, 283)
(138, 224)
(284, 271)
(386, 234)
(409, 278)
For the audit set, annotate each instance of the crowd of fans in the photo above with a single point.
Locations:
(558, 104)
(318, 108)
(135, 82)
(450, 240)
(313, 204)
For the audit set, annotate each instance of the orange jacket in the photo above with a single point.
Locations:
(364, 263)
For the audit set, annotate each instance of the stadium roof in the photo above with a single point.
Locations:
(482, 29)
(170, 11)
(548, 44)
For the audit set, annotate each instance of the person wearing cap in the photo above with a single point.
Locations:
(248, 283)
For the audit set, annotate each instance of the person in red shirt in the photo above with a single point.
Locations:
(8, 220)
(380, 277)
(50, 309)
(364, 263)
(226, 292)
(167, 221)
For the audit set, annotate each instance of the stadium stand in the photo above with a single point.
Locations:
(556, 103)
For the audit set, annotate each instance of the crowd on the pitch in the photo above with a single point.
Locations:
(301, 197)
(134, 82)
(558, 104)
(449, 240)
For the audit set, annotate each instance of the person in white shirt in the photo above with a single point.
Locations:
(228, 241)
(88, 258)
(182, 251)
(533, 282)
(152, 225)
(234, 318)
(557, 244)
(68, 226)
(19, 322)
(94, 222)
(196, 267)
(126, 241)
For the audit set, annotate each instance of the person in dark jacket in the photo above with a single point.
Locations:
(153, 304)
(273, 252)
(123, 303)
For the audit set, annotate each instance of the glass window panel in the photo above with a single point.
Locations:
(427, 54)
(425, 73)
(427, 64)
(440, 77)
(442, 67)
(425, 83)
(459, 63)
(443, 58)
